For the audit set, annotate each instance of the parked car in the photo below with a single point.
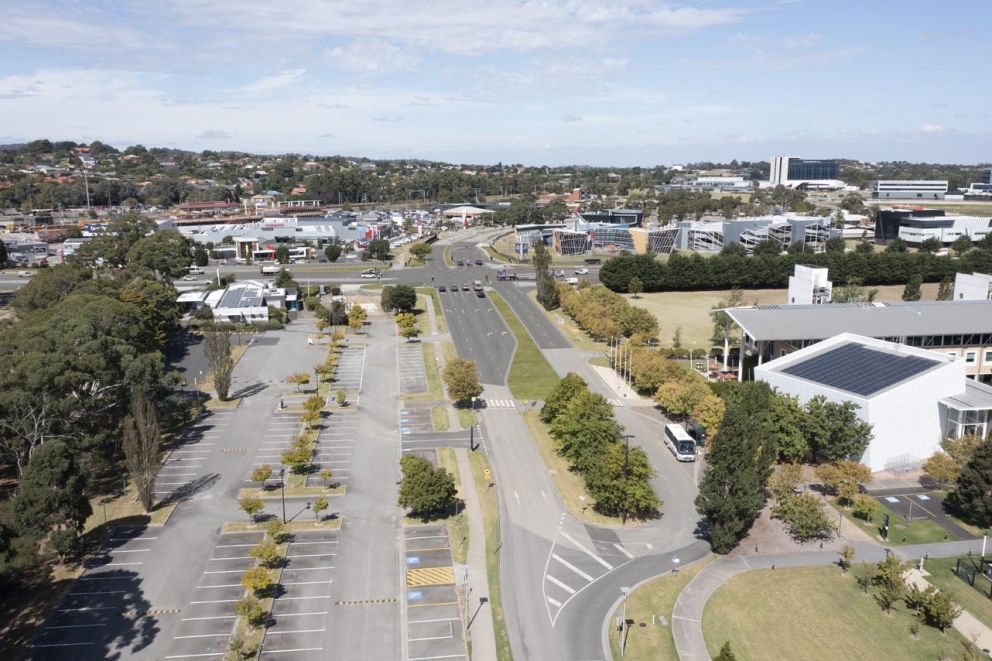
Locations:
(559, 273)
(460, 262)
(24, 274)
(478, 262)
(190, 278)
(442, 288)
(465, 286)
(581, 271)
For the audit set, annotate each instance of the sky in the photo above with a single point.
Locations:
(539, 82)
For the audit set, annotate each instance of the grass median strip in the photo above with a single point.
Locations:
(531, 377)
(431, 372)
(438, 314)
(458, 524)
(490, 519)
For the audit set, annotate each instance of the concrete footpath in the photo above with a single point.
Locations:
(966, 623)
(480, 628)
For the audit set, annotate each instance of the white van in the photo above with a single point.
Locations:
(194, 270)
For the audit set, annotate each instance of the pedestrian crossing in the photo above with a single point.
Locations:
(500, 404)
(615, 402)
(577, 560)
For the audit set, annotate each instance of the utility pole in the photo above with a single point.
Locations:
(282, 484)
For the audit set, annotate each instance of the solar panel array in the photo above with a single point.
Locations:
(859, 369)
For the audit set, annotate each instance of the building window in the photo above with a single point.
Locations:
(970, 356)
(988, 356)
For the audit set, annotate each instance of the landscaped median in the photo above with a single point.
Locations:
(531, 377)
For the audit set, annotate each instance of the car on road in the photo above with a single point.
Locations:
(442, 288)
(465, 286)
(481, 293)
(190, 278)
(478, 262)
(299, 261)
(581, 271)
(368, 275)
(559, 273)
(24, 274)
(460, 262)
(194, 270)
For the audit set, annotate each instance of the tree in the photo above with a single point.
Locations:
(962, 244)
(276, 530)
(709, 413)
(680, 398)
(890, 581)
(635, 287)
(946, 290)
(786, 426)
(378, 249)
(912, 290)
(401, 298)
(3, 254)
(732, 491)
(112, 246)
(972, 495)
(833, 429)
(141, 443)
(341, 398)
(50, 286)
(941, 469)
(864, 506)
(319, 506)
(425, 490)
(282, 254)
(846, 557)
(266, 553)
(461, 379)
(299, 379)
(357, 317)
(547, 293)
(285, 279)
(251, 506)
(866, 575)
(325, 475)
(843, 478)
(568, 387)
(261, 474)
(897, 245)
(52, 492)
(332, 252)
(252, 611)
(804, 516)
(768, 248)
(166, 253)
(930, 245)
(217, 348)
(584, 429)
(200, 256)
(726, 654)
(864, 248)
(297, 457)
(723, 325)
(835, 244)
(420, 250)
(938, 608)
(785, 480)
(619, 483)
(258, 580)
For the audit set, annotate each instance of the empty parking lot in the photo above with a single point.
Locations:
(433, 615)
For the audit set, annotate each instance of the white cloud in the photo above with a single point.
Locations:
(214, 134)
(37, 25)
(931, 128)
(273, 82)
(371, 55)
(461, 26)
(810, 39)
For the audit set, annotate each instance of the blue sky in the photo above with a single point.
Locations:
(603, 82)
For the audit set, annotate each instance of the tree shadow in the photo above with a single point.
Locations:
(249, 390)
(190, 489)
(453, 509)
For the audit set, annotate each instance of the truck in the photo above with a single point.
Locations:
(270, 270)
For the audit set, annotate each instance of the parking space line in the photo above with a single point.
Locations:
(211, 587)
(554, 602)
(203, 635)
(415, 640)
(298, 649)
(226, 571)
(216, 601)
(307, 568)
(440, 619)
(301, 614)
(309, 543)
(277, 633)
(624, 551)
(237, 557)
(322, 596)
(77, 626)
(587, 551)
(192, 656)
(311, 555)
(211, 617)
(560, 584)
(327, 582)
(571, 566)
(447, 656)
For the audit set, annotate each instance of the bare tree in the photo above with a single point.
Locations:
(142, 439)
(27, 424)
(217, 347)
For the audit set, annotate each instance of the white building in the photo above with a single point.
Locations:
(911, 397)
(245, 301)
(945, 229)
(809, 285)
(972, 287)
(909, 190)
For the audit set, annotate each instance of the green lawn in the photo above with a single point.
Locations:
(918, 532)
(466, 418)
(531, 377)
(431, 371)
(438, 312)
(972, 599)
(439, 418)
(815, 613)
(649, 639)
(457, 524)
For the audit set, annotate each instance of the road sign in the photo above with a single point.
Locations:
(487, 474)
(414, 595)
(413, 560)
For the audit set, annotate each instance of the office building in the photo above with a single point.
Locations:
(809, 286)
(909, 190)
(628, 217)
(911, 397)
(791, 171)
(972, 287)
(712, 235)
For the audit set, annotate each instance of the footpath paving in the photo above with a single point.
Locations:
(480, 629)
(969, 626)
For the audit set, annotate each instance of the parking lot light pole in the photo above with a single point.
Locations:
(623, 626)
(282, 485)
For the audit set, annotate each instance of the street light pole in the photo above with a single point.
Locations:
(623, 628)
(282, 485)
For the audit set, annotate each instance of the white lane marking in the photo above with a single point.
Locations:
(276, 633)
(554, 602)
(297, 649)
(203, 635)
(586, 551)
(571, 566)
(562, 585)
(216, 601)
(212, 617)
(193, 656)
(624, 551)
(301, 614)
(440, 619)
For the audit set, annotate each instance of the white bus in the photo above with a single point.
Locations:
(680, 443)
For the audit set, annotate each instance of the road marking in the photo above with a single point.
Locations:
(212, 617)
(76, 626)
(192, 656)
(571, 566)
(216, 601)
(298, 649)
(286, 569)
(237, 557)
(587, 551)
(312, 555)
(301, 614)
(554, 602)
(322, 596)
(415, 640)
(440, 619)
(545, 497)
(226, 571)
(517, 496)
(276, 633)
(202, 635)
(560, 584)
(305, 582)
(310, 543)
(447, 656)
(624, 551)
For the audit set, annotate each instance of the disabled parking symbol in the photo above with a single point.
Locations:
(413, 560)
(414, 595)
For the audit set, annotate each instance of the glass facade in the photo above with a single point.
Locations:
(800, 169)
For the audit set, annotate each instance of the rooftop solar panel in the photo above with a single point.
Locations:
(859, 369)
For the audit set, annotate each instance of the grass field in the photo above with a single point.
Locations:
(457, 524)
(490, 520)
(815, 613)
(648, 640)
(690, 310)
(431, 371)
(570, 485)
(438, 313)
(971, 599)
(531, 377)
(922, 531)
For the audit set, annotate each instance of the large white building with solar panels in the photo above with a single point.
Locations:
(910, 396)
